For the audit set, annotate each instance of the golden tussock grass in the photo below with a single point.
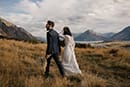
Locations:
(20, 66)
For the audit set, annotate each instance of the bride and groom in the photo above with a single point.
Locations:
(69, 64)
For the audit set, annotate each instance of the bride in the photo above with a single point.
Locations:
(69, 61)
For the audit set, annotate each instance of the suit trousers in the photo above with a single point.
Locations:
(56, 58)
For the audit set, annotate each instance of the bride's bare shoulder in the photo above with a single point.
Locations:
(67, 36)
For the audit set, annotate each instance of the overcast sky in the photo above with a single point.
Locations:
(80, 15)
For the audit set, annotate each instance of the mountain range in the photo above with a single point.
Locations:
(107, 35)
(90, 35)
(11, 31)
(123, 35)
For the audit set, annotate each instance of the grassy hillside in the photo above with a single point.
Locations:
(102, 67)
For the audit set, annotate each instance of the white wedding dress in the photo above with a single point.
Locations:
(69, 61)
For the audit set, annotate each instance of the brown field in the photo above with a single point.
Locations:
(20, 66)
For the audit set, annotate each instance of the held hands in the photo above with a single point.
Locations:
(61, 32)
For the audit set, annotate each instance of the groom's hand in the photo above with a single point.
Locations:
(47, 56)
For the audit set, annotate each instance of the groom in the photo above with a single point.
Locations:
(53, 48)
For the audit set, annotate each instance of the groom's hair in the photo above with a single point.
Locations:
(51, 23)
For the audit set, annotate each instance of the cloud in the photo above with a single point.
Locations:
(79, 15)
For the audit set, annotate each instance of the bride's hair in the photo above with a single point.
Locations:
(66, 31)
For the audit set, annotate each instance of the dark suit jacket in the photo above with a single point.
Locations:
(53, 45)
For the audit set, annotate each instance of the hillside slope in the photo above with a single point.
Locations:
(9, 30)
(101, 67)
(123, 35)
